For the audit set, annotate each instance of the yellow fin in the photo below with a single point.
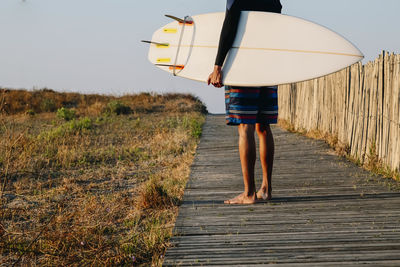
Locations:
(163, 60)
(162, 45)
(170, 30)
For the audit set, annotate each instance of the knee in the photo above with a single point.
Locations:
(246, 130)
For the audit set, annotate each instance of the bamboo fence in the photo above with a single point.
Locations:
(359, 105)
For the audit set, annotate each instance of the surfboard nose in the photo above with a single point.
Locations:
(357, 50)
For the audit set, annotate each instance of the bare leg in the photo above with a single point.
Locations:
(247, 150)
(267, 149)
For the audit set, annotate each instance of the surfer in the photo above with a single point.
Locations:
(252, 109)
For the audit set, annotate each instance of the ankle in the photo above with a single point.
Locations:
(250, 193)
(263, 188)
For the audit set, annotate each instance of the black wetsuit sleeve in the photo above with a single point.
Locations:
(228, 32)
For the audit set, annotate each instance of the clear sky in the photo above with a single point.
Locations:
(94, 45)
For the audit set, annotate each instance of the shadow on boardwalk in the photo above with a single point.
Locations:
(325, 211)
(278, 200)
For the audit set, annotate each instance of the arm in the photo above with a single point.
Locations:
(227, 38)
(228, 33)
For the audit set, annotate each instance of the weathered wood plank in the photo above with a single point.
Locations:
(325, 211)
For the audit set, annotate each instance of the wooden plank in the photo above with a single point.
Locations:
(325, 211)
(266, 257)
(366, 103)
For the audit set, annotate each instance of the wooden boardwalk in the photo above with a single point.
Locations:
(325, 211)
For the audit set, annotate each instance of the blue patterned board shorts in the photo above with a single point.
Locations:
(251, 105)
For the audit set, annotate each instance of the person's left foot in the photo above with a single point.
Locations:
(242, 199)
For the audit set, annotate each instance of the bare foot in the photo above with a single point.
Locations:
(243, 198)
(264, 194)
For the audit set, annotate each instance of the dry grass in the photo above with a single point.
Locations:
(47, 100)
(97, 189)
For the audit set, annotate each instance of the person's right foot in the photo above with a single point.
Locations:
(264, 194)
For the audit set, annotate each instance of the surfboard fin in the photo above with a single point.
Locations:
(171, 67)
(187, 20)
(158, 44)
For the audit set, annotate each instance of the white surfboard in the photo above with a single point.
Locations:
(269, 49)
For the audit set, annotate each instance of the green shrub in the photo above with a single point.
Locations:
(71, 127)
(193, 125)
(48, 105)
(196, 128)
(30, 112)
(80, 125)
(118, 108)
(66, 114)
